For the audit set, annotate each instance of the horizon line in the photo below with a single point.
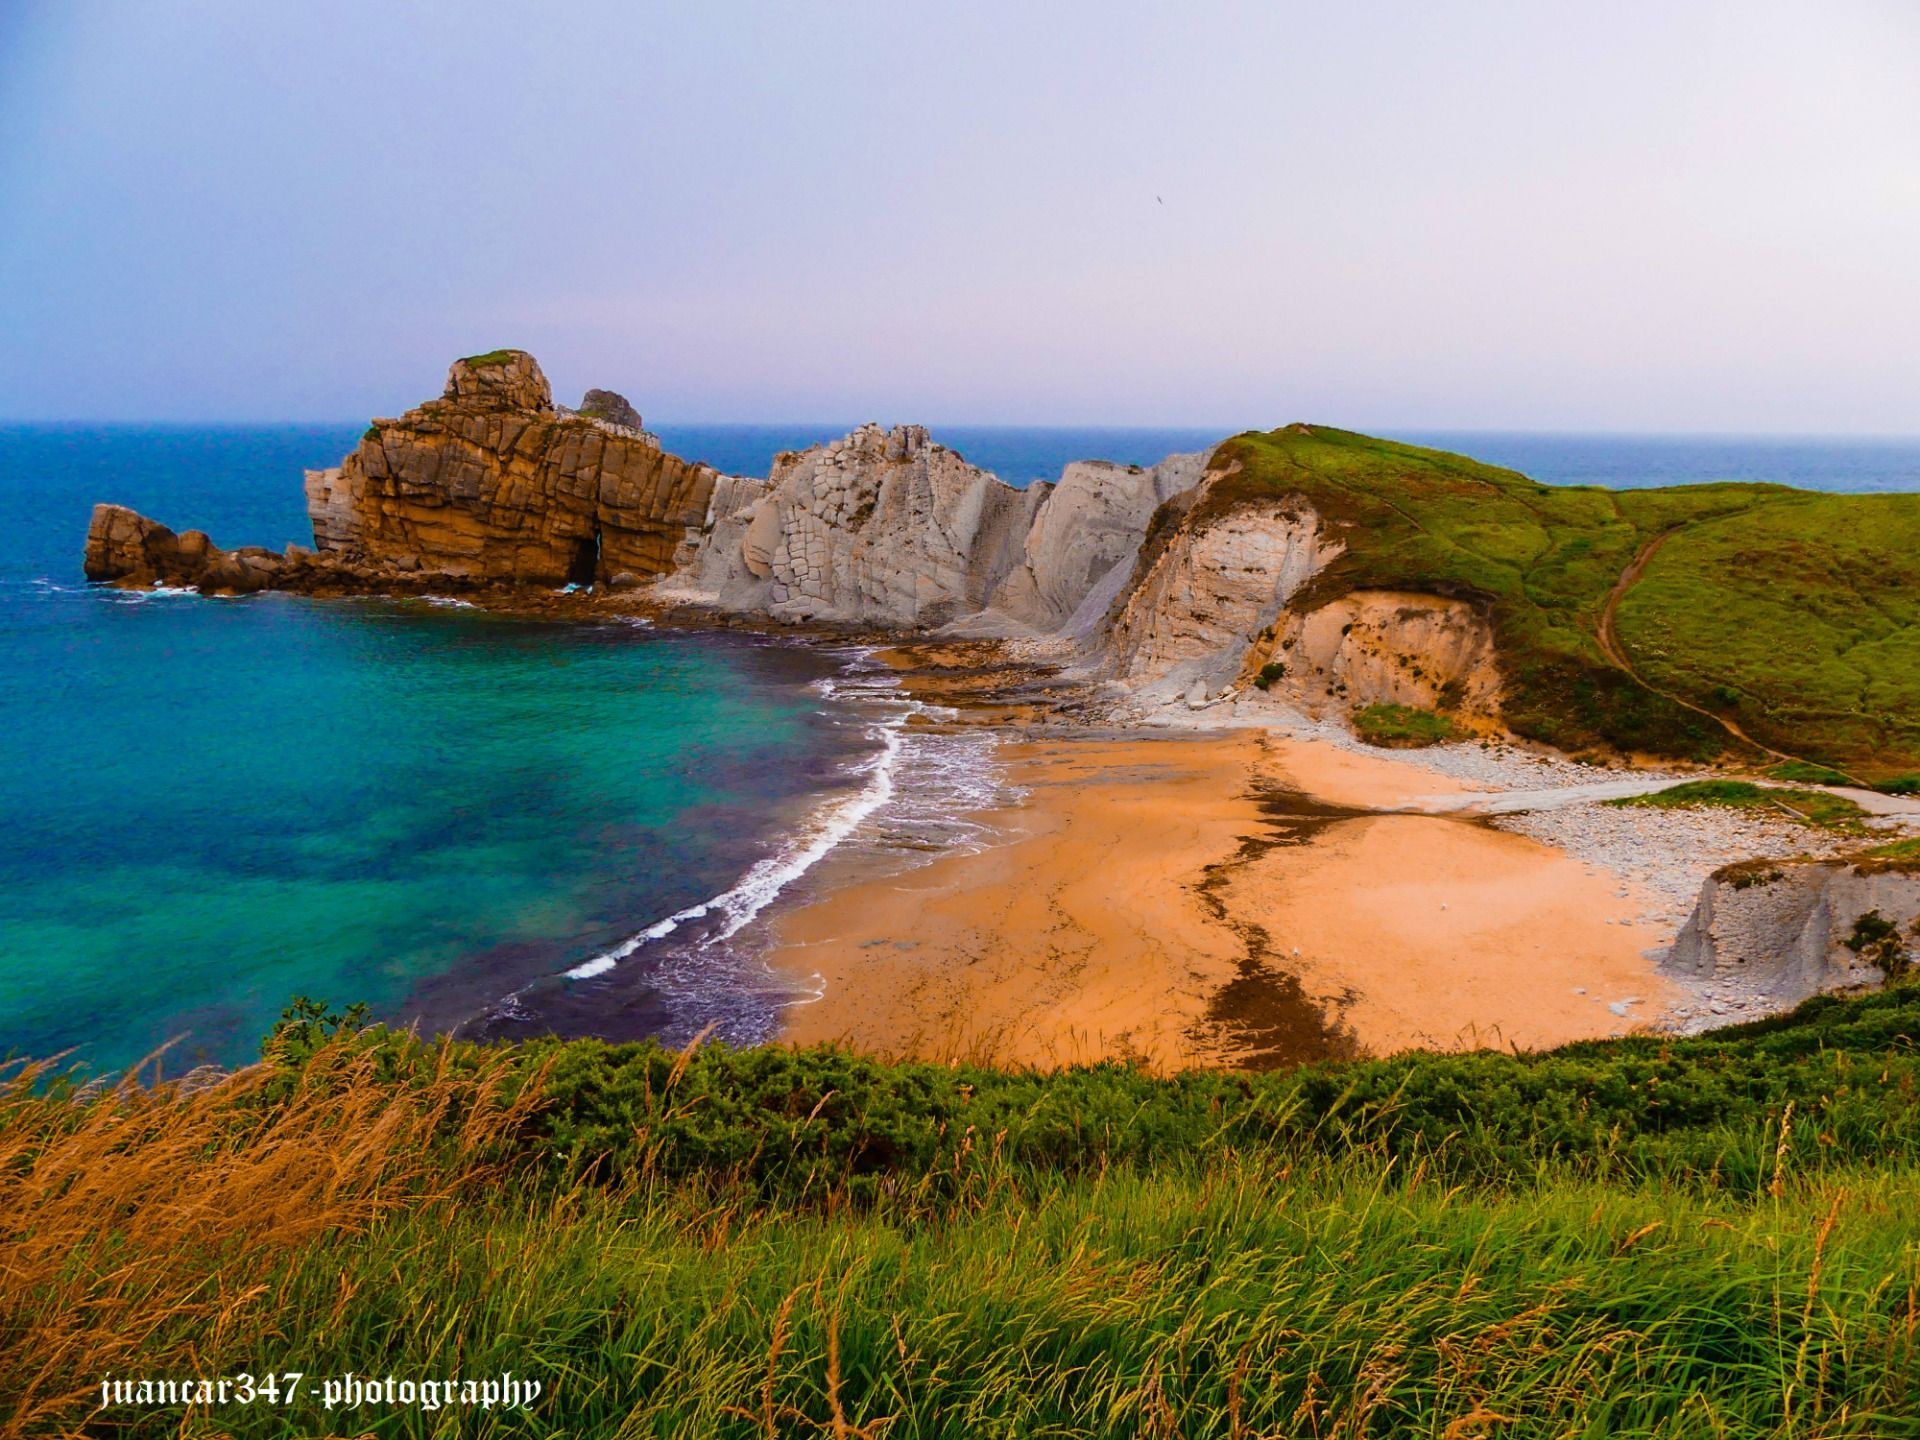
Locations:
(844, 426)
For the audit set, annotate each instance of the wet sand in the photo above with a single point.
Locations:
(1222, 899)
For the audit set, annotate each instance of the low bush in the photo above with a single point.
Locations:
(1815, 807)
(1802, 772)
(1403, 727)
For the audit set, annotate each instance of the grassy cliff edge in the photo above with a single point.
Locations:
(1794, 615)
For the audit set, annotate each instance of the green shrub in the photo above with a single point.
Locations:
(1271, 671)
(1801, 772)
(1614, 1238)
(1814, 807)
(1877, 940)
(1403, 727)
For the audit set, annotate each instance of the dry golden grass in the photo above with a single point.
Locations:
(139, 1229)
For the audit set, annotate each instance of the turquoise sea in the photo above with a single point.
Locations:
(210, 805)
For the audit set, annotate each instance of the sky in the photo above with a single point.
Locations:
(1683, 215)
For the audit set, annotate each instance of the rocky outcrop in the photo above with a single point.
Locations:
(1789, 929)
(886, 527)
(128, 548)
(881, 527)
(610, 408)
(499, 380)
(1204, 596)
(1384, 647)
(493, 482)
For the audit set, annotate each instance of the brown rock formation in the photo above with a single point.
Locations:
(492, 482)
(489, 484)
(127, 549)
(610, 406)
(131, 549)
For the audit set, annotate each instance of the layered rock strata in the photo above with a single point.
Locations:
(491, 484)
(881, 527)
(492, 480)
(1200, 600)
(1133, 576)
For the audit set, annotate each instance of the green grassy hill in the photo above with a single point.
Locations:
(1794, 615)
(1714, 1236)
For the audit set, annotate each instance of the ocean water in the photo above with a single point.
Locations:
(1021, 455)
(213, 805)
(1635, 462)
(209, 806)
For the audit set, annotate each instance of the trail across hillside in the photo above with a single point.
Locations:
(1611, 647)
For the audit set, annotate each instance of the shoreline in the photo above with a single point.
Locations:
(1286, 962)
(1227, 898)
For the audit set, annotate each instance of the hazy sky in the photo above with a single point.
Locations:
(1681, 215)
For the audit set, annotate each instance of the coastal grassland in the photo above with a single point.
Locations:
(1807, 611)
(491, 357)
(1815, 807)
(1635, 1238)
(1741, 576)
(1799, 772)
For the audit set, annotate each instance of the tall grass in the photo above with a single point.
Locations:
(807, 1243)
(145, 1229)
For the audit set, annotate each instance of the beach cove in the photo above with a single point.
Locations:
(1237, 898)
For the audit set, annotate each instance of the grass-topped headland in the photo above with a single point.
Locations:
(1637, 1238)
(1795, 616)
(491, 358)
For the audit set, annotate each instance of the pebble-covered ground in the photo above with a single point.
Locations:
(1661, 857)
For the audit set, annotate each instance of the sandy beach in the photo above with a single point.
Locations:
(1224, 898)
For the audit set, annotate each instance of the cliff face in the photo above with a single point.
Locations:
(886, 527)
(1789, 929)
(1199, 600)
(1151, 578)
(1083, 542)
(492, 481)
(1385, 647)
(881, 527)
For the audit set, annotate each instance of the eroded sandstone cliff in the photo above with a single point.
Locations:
(490, 484)
(492, 480)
